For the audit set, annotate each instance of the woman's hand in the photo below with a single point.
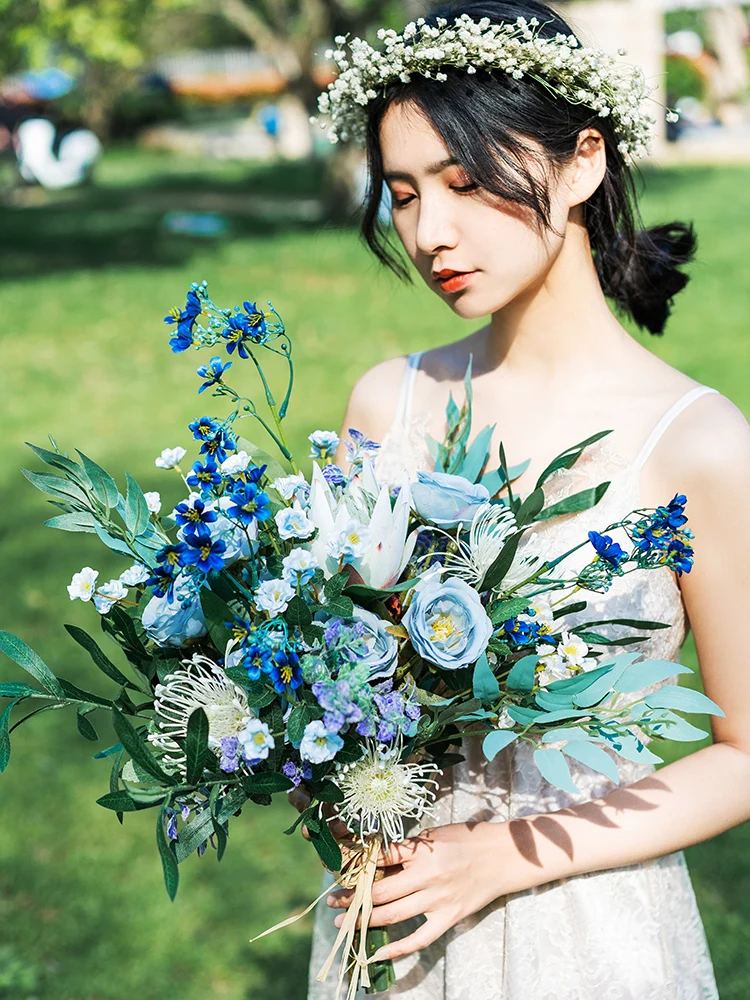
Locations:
(446, 873)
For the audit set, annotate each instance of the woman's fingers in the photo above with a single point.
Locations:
(393, 913)
(299, 799)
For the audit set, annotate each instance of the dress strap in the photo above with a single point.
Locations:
(403, 409)
(672, 413)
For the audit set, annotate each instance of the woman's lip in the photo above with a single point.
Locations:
(456, 281)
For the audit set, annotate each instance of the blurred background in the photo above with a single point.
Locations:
(145, 144)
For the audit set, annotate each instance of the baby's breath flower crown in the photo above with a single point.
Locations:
(580, 74)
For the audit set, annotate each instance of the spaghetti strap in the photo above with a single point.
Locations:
(403, 409)
(672, 413)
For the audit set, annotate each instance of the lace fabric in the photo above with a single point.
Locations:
(627, 933)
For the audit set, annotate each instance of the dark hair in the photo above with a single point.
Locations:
(637, 266)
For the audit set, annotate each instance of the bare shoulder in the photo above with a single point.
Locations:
(706, 448)
(373, 400)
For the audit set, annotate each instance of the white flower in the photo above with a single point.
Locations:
(323, 444)
(108, 594)
(351, 543)
(318, 745)
(299, 566)
(153, 501)
(170, 458)
(256, 740)
(492, 525)
(540, 611)
(135, 575)
(199, 684)
(505, 720)
(288, 486)
(273, 596)
(292, 522)
(235, 464)
(83, 583)
(381, 791)
(572, 649)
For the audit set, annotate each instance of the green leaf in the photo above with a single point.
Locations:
(86, 728)
(497, 571)
(194, 834)
(275, 469)
(76, 521)
(103, 485)
(501, 611)
(570, 609)
(554, 769)
(138, 749)
(267, 781)
(260, 694)
(359, 592)
(522, 673)
(568, 458)
(73, 693)
(486, 688)
(594, 757)
(603, 684)
(574, 503)
(683, 699)
(233, 800)
(59, 486)
(676, 728)
(327, 791)
(5, 734)
(325, 844)
(100, 659)
(196, 746)
(168, 858)
(631, 622)
(58, 461)
(477, 455)
(119, 801)
(216, 612)
(530, 508)
(25, 657)
(17, 689)
(298, 611)
(296, 723)
(116, 544)
(648, 672)
(137, 513)
(115, 748)
(496, 741)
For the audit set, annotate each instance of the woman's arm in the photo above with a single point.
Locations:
(453, 871)
(372, 403)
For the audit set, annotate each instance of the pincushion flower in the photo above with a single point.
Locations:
(82, 586)
(447, 500)
(491, 526)
(170, 458)
(381, 791)
(199, 683)
(447, 623)
(318, 745)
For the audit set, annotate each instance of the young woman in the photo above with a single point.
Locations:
(513, 203)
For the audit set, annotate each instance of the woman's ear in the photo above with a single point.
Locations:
(584, 173)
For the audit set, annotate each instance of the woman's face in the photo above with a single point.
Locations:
(494, 242)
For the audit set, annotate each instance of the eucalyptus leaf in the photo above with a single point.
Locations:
(647, 672)
(76, 521)
(554, 768)
(683, 699)
(522, 674)
(137, 513)
(594, 757)
(496, 741)
(58, 461)
(486, 687)
(103, 485)
(25, 657)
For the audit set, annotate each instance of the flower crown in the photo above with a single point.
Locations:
(581, 75)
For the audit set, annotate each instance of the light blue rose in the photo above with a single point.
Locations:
(447, 623)
(381, 645)
(447, 500)
(174, 624)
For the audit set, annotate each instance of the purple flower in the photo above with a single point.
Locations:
(296, 771)
(230, 754)
(333, 475)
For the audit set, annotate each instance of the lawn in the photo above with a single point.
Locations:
(87, 278)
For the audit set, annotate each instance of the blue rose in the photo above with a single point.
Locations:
(174, 624)
(382, 648)
(447, 623)
(447, 500)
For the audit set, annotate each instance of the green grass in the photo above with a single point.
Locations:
(87, 278)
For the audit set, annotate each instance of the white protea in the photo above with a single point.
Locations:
(201, 684)
(493, 524)
(381, 791)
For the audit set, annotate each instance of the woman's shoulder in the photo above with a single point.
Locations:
(375, 395)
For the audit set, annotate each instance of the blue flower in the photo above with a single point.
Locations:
(333, 475)
(174, 622)
(297, 772)
(318, 745)
(204, 428)
(359, 444)
(172, 556)
(247, 328)
(249, 504)
(230, 753)
(203, 551)
(447, 624)
(285, 670)
(217, 447)
(162, 581)
(447, 500)
(397, 713)
(192, 513)
(256, 659)
(204, 476)
(674, 513)
(339, 700)
(212, 372)
(521, 633)
(323, 444)
(256, 318)
(608, 551)
(679, 556)
(185, 320)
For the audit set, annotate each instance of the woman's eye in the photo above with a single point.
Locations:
(401, 202)
(465, 187)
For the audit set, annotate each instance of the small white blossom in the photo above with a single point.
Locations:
(82, 585)
(572, 649)
(170, 458)
(299, 566)
(256, 740)
(273, 596)
(288, 486)
(351, 543)
(323, 444)
(134, 576)
(153, 501)
(318, 745)
(235, 464)
(108, 594)
(292, 522)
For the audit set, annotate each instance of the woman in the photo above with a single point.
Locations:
(512, 202)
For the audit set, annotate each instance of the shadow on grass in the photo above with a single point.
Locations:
(122, 223)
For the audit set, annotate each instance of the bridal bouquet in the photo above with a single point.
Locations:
(338, 633)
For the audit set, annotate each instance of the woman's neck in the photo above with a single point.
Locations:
(561, 323)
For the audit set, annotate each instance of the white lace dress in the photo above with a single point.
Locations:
(629, 933)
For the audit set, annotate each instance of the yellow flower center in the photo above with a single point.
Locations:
(443, 627)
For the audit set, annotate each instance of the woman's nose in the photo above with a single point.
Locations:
(435, 229)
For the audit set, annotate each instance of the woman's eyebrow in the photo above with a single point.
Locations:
(434, 168)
